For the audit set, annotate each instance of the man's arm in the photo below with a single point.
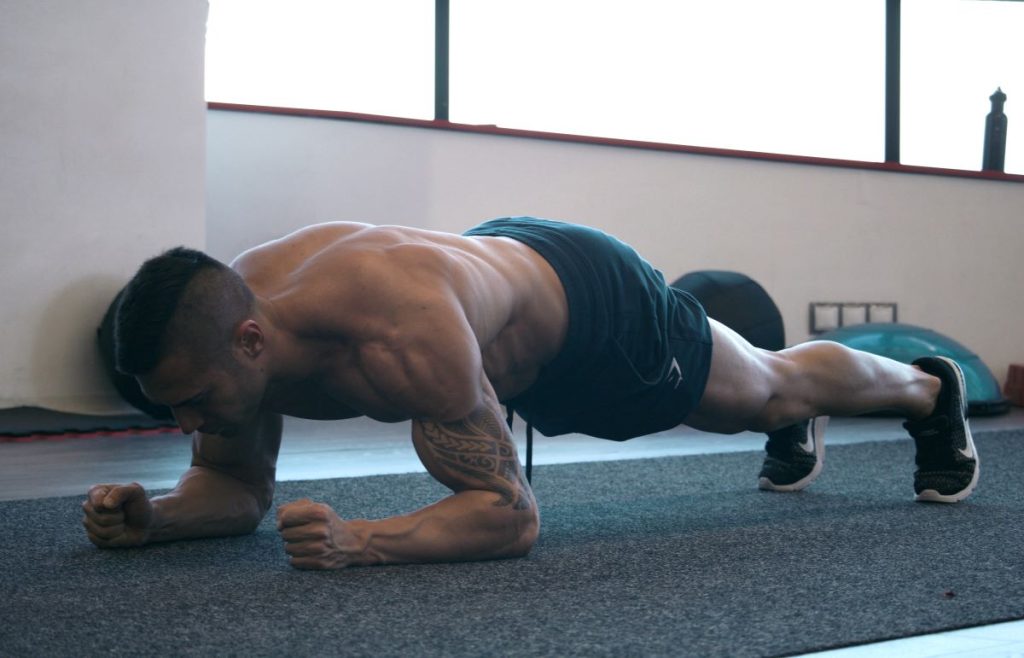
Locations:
(491, 514)
(424, 358)
(227, 491)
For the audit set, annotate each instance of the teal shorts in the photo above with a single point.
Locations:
(637, 352)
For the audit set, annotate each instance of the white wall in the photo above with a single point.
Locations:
(102, 128)
(947, 250)
(102, 136)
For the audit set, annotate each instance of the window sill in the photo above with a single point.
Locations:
(622, 143)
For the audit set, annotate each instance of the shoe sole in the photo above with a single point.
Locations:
(933, 496)
(816, 432)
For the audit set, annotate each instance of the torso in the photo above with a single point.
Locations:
(345, 289)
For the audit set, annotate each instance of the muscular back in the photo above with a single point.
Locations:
(405, 319)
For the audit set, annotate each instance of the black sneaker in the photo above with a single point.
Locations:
(795, 456)
(947, 462)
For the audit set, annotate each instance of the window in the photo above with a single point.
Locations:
(370, 57)
(794, 77)
(790, 76)
(954, 54)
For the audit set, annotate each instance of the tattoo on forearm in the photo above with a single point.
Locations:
(477, 447)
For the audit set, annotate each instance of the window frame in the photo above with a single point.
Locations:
(441, 122)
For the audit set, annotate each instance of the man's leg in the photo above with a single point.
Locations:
(779, 392)
(751, 389)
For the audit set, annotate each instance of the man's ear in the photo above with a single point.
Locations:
(249, 337)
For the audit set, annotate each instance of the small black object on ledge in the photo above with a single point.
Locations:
(995, 134)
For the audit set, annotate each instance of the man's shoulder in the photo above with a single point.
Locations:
(298, 246)
(344, 248)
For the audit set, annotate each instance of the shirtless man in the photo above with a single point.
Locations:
(563, 323)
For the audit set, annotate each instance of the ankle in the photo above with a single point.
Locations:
(929, 387)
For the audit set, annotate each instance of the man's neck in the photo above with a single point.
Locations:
(292, 357)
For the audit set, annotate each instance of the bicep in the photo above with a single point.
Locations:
(435, 374)
(475, 452)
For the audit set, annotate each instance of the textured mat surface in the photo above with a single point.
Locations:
(36, 422)
(666, 557)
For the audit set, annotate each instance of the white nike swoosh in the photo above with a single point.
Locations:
(675, 372)
(808, 445)
(969, 453)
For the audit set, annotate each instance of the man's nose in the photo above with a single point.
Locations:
(188, 420)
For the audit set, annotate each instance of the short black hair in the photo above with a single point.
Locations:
(149, 302)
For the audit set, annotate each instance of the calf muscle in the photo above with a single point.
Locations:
(758, 390)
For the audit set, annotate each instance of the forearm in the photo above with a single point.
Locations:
(469, 525)
(206, 503)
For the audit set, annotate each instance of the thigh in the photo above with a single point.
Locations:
(741, 382)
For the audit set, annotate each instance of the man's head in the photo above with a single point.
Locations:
(185, 329)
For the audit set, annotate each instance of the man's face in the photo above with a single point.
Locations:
(213, 398)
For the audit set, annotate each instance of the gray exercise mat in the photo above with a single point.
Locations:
(664, 557)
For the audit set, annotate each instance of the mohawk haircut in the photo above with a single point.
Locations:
(179, 282)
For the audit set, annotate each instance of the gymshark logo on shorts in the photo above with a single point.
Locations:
(676, 373)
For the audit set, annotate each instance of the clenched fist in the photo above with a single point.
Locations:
(315, 537)
(117, 516)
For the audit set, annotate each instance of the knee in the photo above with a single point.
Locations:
(790, 399)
